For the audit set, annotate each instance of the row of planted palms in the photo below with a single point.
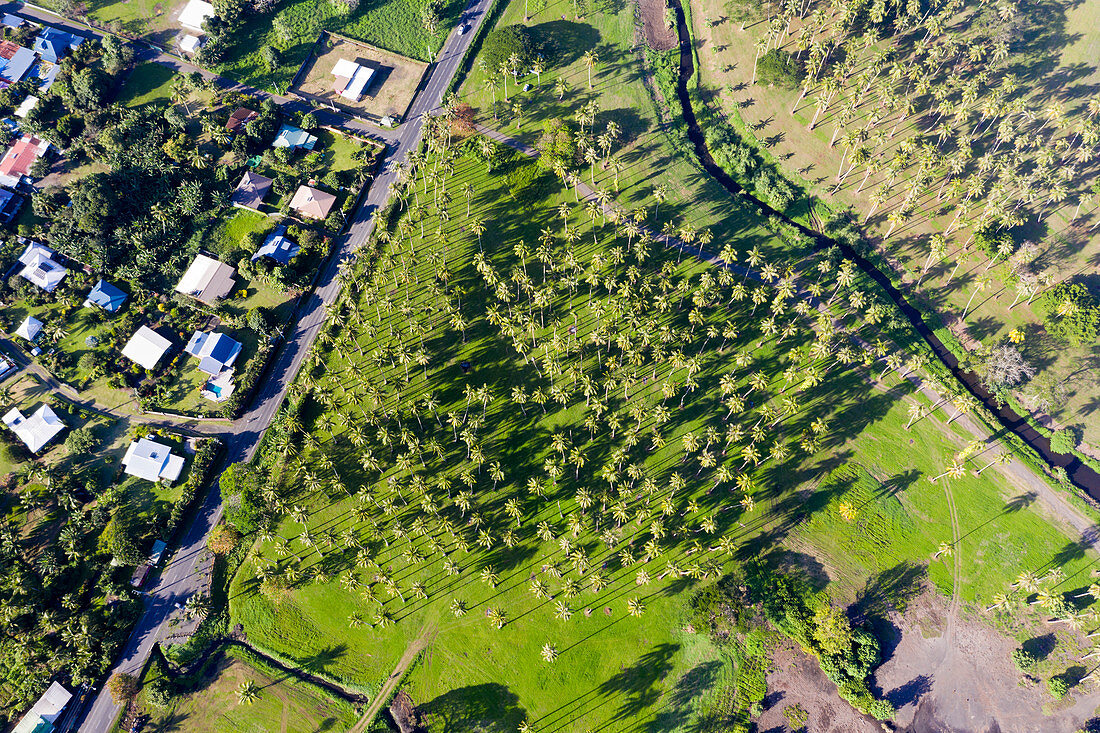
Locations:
(943, 120)
(529, 396)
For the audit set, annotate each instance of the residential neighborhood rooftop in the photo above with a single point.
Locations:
(40, 268)
(216, 352)
(106, 296)
(152, 461)
(146, 347)
(207, 279)
(36, 430)
(252, 189)
(20, 156)
(294, 138)
(312, 203)
(29, 328)
(278, 247)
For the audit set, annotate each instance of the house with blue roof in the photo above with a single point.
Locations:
(9, 205)
(278, 247)
(53, 44)
(106, 296)
(294, 138)
(216, 352)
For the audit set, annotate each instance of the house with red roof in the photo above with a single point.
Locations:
(19, 158)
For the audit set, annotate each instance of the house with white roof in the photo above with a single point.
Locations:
(152, 461)
(207, 279)
(352, 79)
(146, 347)
(40, 268)
(29, 328)
(38, 429)
(195, 13)
(44, 713)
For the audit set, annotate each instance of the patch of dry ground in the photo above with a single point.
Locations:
(659, 35)
(390, 92)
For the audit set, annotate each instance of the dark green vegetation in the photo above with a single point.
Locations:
(779, 67)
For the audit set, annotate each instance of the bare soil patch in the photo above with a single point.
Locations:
(965, 680)
(391, 89)
(796, 679)
(658, 34)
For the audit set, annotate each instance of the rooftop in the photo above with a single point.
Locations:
(106, 296)
(40, 268)
(252, 189)
(207, 279)
(146, 347)
(294, 138)
(29, 328)
(216, 352)
(311, 202)
(194, 13)
(38, 429)
(152, 461)
(278, 247)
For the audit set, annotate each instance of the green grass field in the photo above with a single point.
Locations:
(284, 703)
(148, 83)
(615, 672)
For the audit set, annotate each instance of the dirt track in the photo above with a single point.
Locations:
(658, 34)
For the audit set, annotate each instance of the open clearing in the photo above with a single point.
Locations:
(391, 89)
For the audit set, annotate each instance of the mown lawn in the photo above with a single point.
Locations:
(615, 671)
(148, 82)
(284, 703)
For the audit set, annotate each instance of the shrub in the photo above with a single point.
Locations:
(1061, 441)
(1058, 687)
(122, 687)
(223, 539)
(1023, 659)
(780, 68)
(81, 440)
(159, 693)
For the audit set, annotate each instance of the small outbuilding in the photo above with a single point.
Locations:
(146, 348)
(241, 117)
(190, 44)
(195, 13)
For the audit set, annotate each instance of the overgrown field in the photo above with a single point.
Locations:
(537, 419)
(394, 25)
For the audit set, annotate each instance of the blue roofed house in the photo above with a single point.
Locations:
(216, 353)
(106, 296)
(12, 21)
(278, 247)
(294, 138)
(9, 205)
(53, 45)
(15, 61)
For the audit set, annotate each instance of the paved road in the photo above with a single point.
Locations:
(181, 577)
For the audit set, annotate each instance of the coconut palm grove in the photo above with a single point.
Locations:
(550, 365)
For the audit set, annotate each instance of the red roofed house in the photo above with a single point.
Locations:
(19, 158)
(240, 118)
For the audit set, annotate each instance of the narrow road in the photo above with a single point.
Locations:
(181, 577)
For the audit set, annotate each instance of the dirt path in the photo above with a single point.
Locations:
(421, 642)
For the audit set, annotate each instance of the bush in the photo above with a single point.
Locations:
(1023, 659)
(81, 440)
(159, 693)
(1061, 441)
(122, 687)
(201, 466)
(1058, 687)
(223, 539)
(780, 68)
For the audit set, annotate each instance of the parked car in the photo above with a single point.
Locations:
(463, 28)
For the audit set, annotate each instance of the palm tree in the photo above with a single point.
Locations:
(635, 607)
(954, 470)
(549, 652)
(247, 693)
(497, 617)
(590, 58)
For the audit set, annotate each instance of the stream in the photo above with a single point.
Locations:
(1081, 475)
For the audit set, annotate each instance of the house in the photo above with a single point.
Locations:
(146, 347)
(207, 279)
(312, 203)
(29, 329)
(12, 21)
(294, 138)
(15, 61)
(44, 713)
(26, 106)
(190, 44)
(250, 192)
(240, 118)
(152, 461)
(352, 79)
(278, 247)
(195, 13)
(9, 205)
(106, 296)
(20, 156)
(38, 429)
(53, 44)
(216, 352)
(40, 268)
